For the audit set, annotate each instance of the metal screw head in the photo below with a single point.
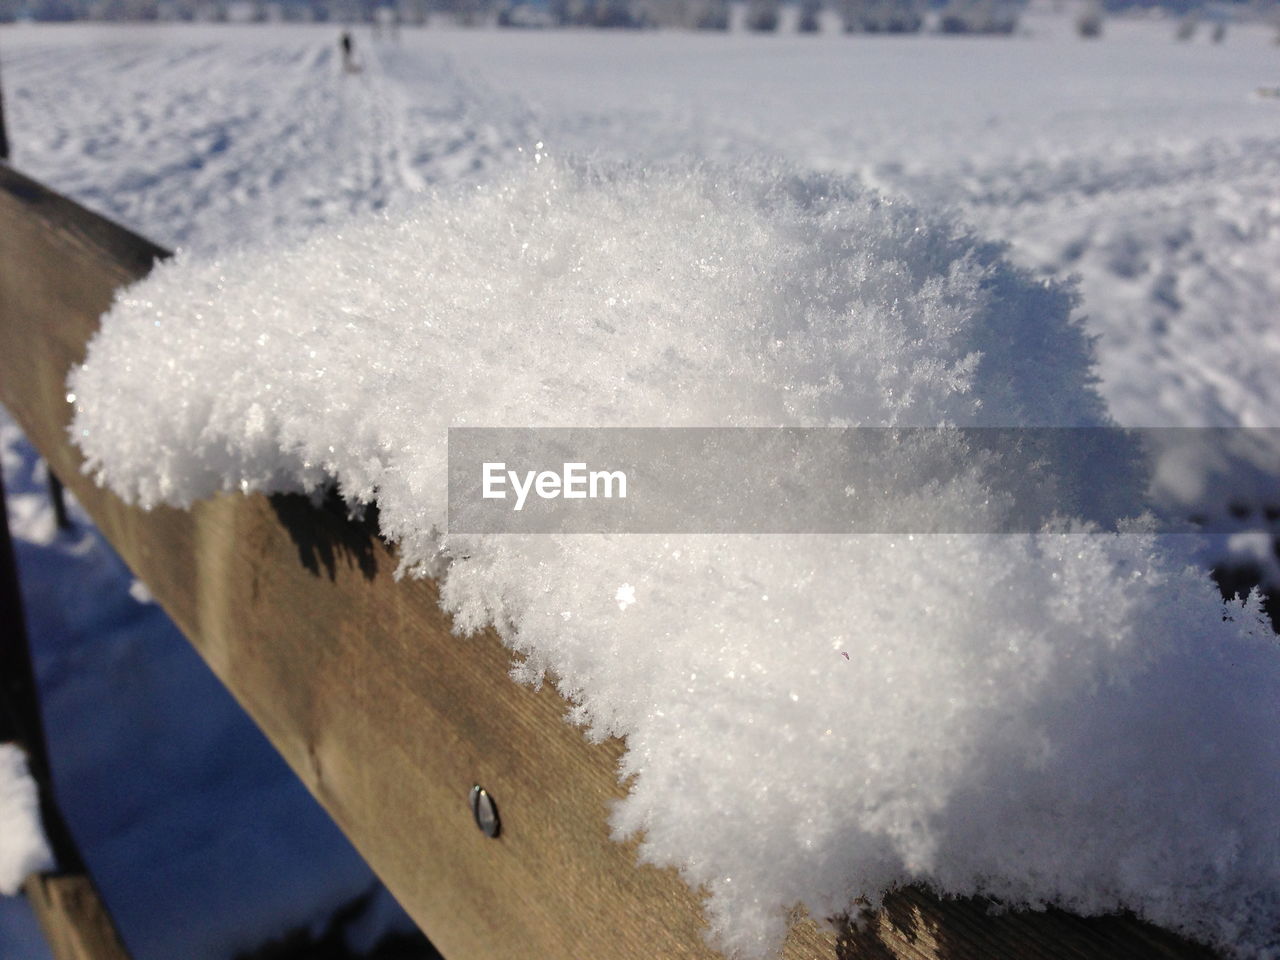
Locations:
(485, 811)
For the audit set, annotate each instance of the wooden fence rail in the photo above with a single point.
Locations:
(388, 718)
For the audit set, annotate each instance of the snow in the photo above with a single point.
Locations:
(1003, 721)
(713, 297)
(23, 847)
(865, 711)
(206, 144)
(1145, 166)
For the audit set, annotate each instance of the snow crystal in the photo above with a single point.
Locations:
(23, 847)
(1065, 717)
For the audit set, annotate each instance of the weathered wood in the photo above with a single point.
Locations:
(73, 918)
(58, 497)
(387, 717)
(4, 133)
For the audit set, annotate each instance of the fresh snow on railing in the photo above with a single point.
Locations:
(1064, 717)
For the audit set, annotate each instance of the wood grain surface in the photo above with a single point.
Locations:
(72, 917)
(390, 719)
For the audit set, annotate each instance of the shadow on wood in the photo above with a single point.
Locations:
(914, 923)
(333, 942)
(326, 535)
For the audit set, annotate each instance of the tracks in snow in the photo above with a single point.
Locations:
(216, 136)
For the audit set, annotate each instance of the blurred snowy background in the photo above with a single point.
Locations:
(1145, 165)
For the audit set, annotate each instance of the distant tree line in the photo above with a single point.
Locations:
(857, 16)
(853, 16)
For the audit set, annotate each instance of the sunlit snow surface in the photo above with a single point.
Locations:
(1145, 165)
(890, 711)
(1142, 165)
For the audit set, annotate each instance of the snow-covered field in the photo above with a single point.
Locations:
(1142, 166)
(1148, 168)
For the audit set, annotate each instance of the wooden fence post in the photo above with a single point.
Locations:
(66, 902)
(20, 720)
(58, 497)
(4, 136)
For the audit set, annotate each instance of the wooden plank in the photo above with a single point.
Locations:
(73, 918)
(386, 716)
(4, 133)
